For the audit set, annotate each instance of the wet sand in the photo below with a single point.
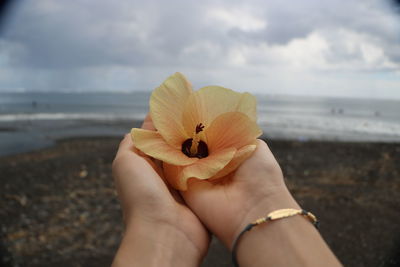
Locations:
(59, 207)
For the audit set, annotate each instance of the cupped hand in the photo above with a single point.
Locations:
(147, 200)
(256, 188)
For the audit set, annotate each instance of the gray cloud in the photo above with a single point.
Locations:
(256, 45)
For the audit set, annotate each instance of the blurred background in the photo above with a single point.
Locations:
(76, 75)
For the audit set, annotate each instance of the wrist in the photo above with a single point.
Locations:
(147, 243)
(278, 198)
(295, 235)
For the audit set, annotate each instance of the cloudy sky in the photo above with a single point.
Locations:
(309, 47)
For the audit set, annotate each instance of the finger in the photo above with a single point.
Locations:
(262, 147)
(126, 143)
(261, 164)
(264, 153)
(148, 123)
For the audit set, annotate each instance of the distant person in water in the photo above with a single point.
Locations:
(169, 228)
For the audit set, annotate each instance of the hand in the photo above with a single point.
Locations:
(155, 215)
(252, 191)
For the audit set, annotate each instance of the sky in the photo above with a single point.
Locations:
(311, 47)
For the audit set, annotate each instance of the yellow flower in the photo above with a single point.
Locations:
(204, 134)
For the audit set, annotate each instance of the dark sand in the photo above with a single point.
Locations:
(59, 207)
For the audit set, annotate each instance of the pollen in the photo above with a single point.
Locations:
(199, 128)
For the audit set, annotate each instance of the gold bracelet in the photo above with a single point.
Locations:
(272, 216)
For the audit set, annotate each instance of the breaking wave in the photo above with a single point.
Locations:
(68, 116)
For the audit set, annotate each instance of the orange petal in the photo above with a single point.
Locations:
(204, 168)
(151, 143)
(209, 102)
(240, 156)
(232, 129)
(166, 107)
(172, 174)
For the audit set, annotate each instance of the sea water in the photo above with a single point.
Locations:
(34, 120)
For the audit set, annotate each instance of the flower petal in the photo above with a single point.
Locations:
(204, 168)
(240, 156)
(232, 129)
(152, 144)
(166, 107)
(209, 102)
(173, 174)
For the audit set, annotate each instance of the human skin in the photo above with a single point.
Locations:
(255, 189)
(160, 230)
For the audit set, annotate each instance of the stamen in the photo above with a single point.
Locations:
(196, 139)
(199, 128)
(194, 147)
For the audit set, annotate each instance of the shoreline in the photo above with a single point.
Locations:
(19, 136)
(60, 206)
(46, 143)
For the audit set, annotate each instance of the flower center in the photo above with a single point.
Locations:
(194, 147)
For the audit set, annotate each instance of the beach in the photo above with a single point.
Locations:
(59, 206)
(318, 81)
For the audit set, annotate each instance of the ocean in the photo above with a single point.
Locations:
(30, 121)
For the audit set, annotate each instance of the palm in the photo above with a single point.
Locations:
(169, 207)
(193, 228)
(213, 203)
(160, 201)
